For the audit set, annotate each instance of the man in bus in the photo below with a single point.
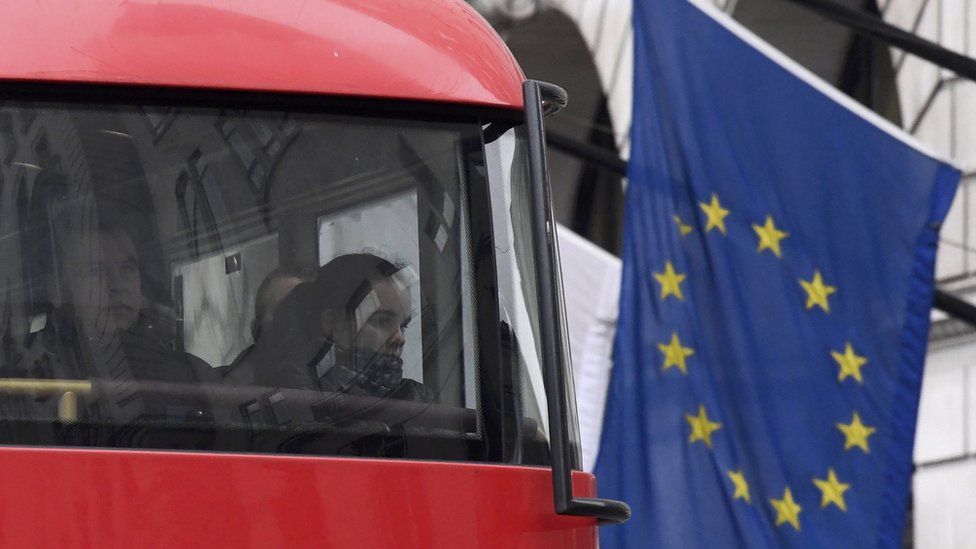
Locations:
(273, 289)
(111, 313)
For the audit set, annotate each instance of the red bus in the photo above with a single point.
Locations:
(279, 274)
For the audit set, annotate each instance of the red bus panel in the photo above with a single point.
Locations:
(99, 498)
(433, 51)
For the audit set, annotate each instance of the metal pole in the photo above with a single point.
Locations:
(874, 27)
(955, 307)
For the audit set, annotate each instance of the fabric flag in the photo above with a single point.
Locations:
(777, 281)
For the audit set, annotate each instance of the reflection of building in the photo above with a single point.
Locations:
(931, 103)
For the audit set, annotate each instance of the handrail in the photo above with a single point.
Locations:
(67, 391)
(44, 387)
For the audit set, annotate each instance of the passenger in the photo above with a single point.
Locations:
(104, 280)
(278, 284)
(344, 332)
(105, 283)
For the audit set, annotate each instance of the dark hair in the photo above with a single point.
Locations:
(262, 295)
(341, 284)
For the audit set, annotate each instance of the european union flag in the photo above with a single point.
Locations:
(777, 281)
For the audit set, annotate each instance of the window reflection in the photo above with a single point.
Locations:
(221, 279)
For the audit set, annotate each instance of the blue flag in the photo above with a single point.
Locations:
(778, 266)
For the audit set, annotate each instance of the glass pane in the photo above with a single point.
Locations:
(516, 265)
(367, 228)
(243, 280)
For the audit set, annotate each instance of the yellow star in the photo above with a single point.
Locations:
(769, 236)
(716, 214)
(856, 434)
(787, 510)
(682, 228)
(670, 282)
(675, 354)
(817, 292)
(832, 490)
(741, 486)
(701, 427)
(850, 363)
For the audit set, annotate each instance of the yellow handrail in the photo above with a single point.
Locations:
(67, 391)
(44, 386)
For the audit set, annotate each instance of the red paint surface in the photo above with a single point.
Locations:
(107, 498)
(438, 50)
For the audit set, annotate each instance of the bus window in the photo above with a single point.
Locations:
(283, 282)
(515, 259)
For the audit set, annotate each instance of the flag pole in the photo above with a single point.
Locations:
(876, 28)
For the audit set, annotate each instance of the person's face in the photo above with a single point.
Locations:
(105, 278)
(120, 268)
(382, 331)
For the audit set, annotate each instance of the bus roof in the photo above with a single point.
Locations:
(430, 50)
